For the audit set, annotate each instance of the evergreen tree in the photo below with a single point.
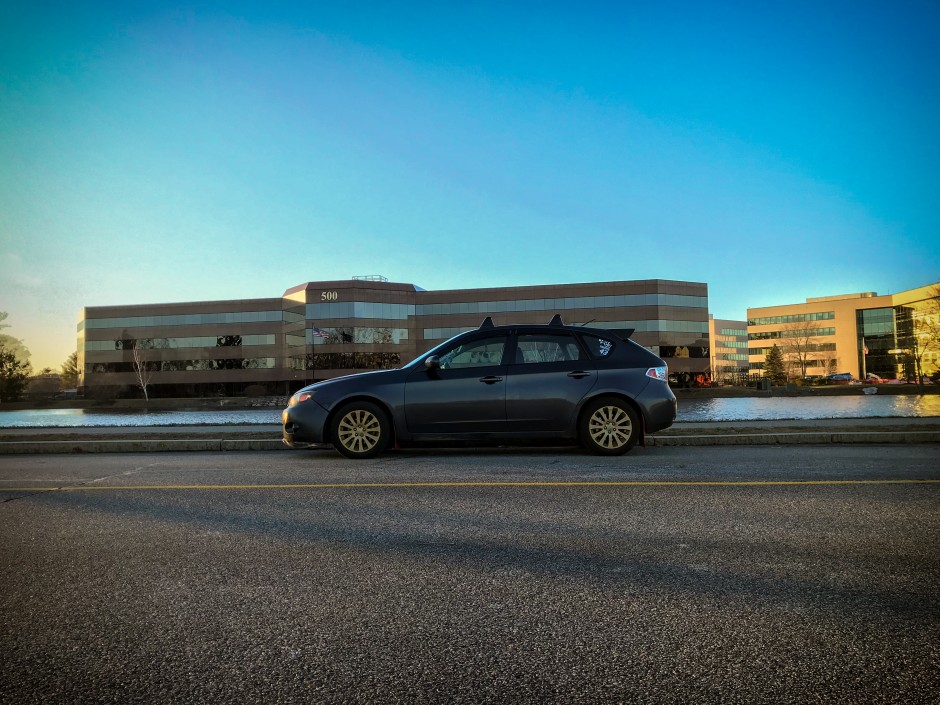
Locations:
(69, 372)
(774, 368)
(11, 344)
(14, 375)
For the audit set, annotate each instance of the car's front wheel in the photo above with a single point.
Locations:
(609, 427)
(361, 430)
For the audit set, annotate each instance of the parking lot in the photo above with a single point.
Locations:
(677, 574)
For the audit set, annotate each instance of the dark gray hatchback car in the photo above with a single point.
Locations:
(495, 384)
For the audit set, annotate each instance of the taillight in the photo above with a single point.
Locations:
(659, 373)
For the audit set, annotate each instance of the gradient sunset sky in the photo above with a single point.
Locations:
(157, 152)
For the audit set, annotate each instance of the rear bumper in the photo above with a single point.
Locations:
(659, 406)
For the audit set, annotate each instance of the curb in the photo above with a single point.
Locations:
(130, 446)
(234, 444)
(818, 437)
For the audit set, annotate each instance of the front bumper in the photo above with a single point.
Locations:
(304, 425)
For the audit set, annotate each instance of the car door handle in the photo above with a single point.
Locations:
(579, 374)
(491, 379)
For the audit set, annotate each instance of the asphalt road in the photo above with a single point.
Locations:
(794, 574)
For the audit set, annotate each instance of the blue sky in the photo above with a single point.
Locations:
(156, 152)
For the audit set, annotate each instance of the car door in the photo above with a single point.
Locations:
(466, 395)
(550, 375)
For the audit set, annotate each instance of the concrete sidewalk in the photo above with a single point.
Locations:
(801, 431)
(139, 439)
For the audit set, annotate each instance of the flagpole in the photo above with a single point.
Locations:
(322, 335)
(864, 352)
(313, 356)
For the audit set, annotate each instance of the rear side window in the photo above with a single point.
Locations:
(535, 348)
(598, 347)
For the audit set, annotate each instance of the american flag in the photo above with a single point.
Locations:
(318, 333)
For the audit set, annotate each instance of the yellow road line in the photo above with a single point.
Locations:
(535, 484)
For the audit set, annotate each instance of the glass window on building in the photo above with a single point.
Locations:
(876, 339)
(918, 339)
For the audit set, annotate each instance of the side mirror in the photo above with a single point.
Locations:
(432, 363)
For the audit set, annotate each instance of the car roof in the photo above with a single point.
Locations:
(555, 324)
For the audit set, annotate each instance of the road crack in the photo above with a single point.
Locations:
(84, 483)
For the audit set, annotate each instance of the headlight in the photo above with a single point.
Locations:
(299, 397)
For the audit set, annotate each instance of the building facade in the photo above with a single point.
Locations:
(729, 350)
(892, 336)
(320, 330)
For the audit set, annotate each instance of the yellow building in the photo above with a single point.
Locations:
(728, 356)
(891, 336)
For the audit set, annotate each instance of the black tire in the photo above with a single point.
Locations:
(609, 426)
(360, 430)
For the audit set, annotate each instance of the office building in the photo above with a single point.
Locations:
(728, 354)
(320, 330)
(893, 336)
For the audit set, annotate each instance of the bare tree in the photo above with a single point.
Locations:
(829, 361)
(794, 368)
(723, 371)
(918, 328)
(931, 320)
(143, 368)
(928, 327)
(797, 344)
(716, 370)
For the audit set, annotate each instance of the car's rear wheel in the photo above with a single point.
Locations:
(609, 427)
(361, 430)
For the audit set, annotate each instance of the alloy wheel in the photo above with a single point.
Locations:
(610, 427)
(359, 431)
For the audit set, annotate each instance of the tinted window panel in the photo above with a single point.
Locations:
(533, 349)
(599, 347)
(477, 353)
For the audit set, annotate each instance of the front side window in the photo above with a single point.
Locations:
(477, 353)
(536, 348)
